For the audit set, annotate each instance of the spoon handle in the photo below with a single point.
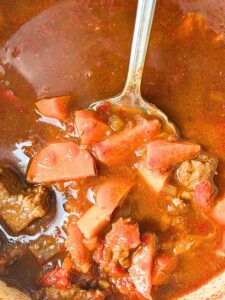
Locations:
(143, 24)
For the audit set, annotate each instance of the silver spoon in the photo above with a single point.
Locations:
(131, 94)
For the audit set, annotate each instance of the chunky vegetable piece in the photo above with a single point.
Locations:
(91, 128)
(57, 278)
(56, 107)
(163, 154)
(113, 150)
(75, 246)
(61, 162)
(142, 266)
(93, 221)
(111, 193)
(155, 180)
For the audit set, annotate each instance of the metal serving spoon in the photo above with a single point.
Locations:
(131, 94)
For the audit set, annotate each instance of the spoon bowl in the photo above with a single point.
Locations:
(131, 94)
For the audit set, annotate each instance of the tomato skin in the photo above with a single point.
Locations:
(57, 278)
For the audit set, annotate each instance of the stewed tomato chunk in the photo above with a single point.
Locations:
(61, 162)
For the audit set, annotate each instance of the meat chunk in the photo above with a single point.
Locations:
(10, 253)
(163, 154)
(191, 173)
(45, 247)
(72, 293)
(91, 128)
(113, 150)
(61, 162)
(142, 266)
(123, 237)
(19, 210)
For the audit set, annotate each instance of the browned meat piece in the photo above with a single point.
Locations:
(45, 247)
(10, 253)
(19, 207)
(190, 173)
(73, 293)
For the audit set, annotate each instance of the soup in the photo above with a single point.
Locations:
(42, 58)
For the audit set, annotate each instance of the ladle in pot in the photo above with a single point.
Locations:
(131, 94)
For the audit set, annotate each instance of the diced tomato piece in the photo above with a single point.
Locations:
(163, 154)
(56, 107)
(91, 128)
(76, 248)
(113, 150)
(93, 221)
(164, 267)
(142, 265)
(123, 237)
(203, 194)
(110, 193)
(154, 179)
(57, 278)
(218, 212)
(61, 162)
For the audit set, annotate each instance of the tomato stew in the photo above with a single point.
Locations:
(108, 203)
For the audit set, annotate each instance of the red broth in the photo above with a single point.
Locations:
(51, 48)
